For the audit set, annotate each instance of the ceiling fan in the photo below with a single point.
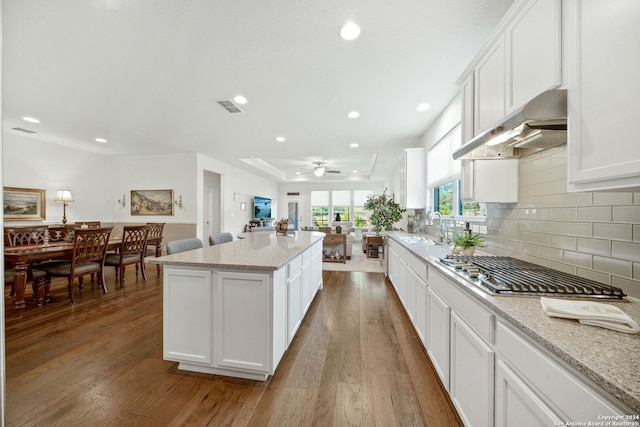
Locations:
(321, 170)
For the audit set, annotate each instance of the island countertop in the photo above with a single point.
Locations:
(255, 251)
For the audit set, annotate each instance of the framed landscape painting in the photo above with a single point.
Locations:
(151, 202)
(24, 204)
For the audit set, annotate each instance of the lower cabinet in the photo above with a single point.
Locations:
(516, 403)
(438, 334)
(236, 323)
(471, 374)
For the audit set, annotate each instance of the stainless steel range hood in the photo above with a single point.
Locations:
(538, 125)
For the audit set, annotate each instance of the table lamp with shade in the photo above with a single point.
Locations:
(65, 197)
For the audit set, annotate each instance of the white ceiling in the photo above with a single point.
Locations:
(146, 75)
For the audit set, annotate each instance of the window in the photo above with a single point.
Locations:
(446, 200)
(341, 204)
(361, 216)
(320, 208)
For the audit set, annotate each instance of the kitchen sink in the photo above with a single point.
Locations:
(418, 240)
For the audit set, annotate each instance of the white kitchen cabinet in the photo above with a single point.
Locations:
(521, 60)
(517, 404)
(241, 341)
(533, 42)
(409, 299)
(294, 305)
(603, 44)
(554, 385)
(471, 374)
(420, 318)
(412, 178)
(489, 88)
(490, 181)
(438, 334)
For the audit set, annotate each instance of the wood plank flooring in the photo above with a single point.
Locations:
(356, 361)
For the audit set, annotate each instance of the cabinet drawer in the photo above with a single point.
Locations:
(481, 320)
(333, 239)
(557, 386)
(294, 266)
(417, 265)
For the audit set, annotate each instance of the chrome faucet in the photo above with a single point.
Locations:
(441, 234)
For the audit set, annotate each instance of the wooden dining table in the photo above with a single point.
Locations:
(21, 257)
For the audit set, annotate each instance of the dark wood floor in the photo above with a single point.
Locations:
(355, 361)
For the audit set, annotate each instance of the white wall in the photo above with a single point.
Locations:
(98, 181)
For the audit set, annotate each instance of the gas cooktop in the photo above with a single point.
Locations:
(510, 276)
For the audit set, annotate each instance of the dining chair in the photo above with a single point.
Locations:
(34, 275)
(154, 240)
(21, 236)
(89, 251)
(183, 245)
(217, 239)
(131, 251)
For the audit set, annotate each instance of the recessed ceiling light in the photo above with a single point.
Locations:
(101, 140)
(239, 99)
(31, 119)
(350, 31)
(280, 139)
(423, 106)
(297, 172)
(354, 145)
(353, 115)
(355, 171)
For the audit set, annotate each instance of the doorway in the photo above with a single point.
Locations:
(293, 211)
(211, 205)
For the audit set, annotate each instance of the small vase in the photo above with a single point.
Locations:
(469, 250)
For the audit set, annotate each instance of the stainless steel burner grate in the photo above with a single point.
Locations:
(506, 275)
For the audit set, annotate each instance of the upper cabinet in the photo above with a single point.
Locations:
(412, 178)
(603, 57)
(521, 60)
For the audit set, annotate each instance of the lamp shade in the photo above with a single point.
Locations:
(64, 196)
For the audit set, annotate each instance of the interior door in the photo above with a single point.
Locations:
(293, 211)
(207, 200)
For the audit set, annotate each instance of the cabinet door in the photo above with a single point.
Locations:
(294, 305)
(410, 294)
(412, 178)
(604, 53)
(495, 181)
(242, 321)
(188, 315)
(489, 85)
(471, 377)
(438, 333)
(533, 46)
(517, 404)
(420, 322)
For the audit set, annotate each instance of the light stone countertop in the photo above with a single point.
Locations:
(609, 358)
(255, 251)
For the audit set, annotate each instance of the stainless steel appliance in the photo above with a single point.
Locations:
(509, 276)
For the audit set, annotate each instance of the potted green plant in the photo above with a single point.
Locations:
(466, 243)
(385, 212)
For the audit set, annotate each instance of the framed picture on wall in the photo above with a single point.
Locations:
(151, 202)
(24, 204)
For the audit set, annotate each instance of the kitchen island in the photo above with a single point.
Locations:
(233, 309)
(502, 359)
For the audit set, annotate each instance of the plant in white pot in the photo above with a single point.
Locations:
(385, 212)
(466, 244)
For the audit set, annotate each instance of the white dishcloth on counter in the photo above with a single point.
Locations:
(590, 313)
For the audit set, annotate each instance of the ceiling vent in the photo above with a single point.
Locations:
(230, 106)
(24, 130)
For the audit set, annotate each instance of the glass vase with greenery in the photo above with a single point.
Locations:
(385, 212)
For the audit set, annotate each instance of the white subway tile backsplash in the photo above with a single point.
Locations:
(611, 231)
(577, 259)
(611, 199)
(563, 242)
(578, 199)
(612, 266)
(594, 246)
(591, 234)
(578, 229)
(624, 250)
(595, 214)
(630, 287)
(626, 214)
